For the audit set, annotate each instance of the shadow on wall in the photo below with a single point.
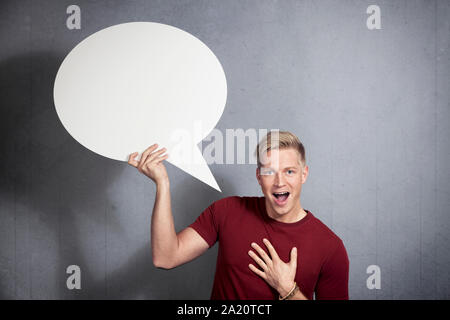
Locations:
(48, 180)
(55, 206)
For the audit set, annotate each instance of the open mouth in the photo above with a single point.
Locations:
(281, 197)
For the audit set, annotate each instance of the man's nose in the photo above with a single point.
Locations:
(279, 179)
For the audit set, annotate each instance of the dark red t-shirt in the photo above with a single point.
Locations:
(236, 222)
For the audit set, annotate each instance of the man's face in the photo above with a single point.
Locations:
(281, 178)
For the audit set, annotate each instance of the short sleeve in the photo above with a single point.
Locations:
(333, 279)
(207, 225)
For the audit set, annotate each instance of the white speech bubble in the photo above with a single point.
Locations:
(134, 84)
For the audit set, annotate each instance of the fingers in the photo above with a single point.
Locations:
(271, 249)
(257, 271)
(155, 155)
(164, 157)
(258, 260)
(131, 159)
(145, 155)
(262, 253)
(293, 261)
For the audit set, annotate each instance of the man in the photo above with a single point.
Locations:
(269, 247)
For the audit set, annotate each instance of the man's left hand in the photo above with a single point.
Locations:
(278, 274)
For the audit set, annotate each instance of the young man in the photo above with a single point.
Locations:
(269, 247)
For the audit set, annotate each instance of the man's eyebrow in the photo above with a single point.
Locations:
(270, 168)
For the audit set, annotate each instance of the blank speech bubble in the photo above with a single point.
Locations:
(134, 84)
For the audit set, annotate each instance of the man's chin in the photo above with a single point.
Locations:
(280, 210)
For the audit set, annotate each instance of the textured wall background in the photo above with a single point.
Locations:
(371, 106)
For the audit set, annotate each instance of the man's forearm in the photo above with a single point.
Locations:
(163, 236)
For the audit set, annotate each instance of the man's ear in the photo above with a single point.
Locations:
(305, 173)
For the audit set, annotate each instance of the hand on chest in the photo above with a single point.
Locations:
(234, 250)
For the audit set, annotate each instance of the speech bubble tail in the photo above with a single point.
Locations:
(198, 168)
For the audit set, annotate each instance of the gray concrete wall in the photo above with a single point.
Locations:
(371, 106)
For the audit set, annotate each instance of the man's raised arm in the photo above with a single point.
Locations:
(169, 249)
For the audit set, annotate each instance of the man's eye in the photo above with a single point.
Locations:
(290, 172)
(267, 172)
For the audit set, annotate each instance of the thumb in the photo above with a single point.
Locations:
(293, 261)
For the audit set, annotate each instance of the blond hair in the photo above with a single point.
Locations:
(280, 140)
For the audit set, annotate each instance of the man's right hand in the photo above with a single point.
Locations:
(169, 249)
(151, 163)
